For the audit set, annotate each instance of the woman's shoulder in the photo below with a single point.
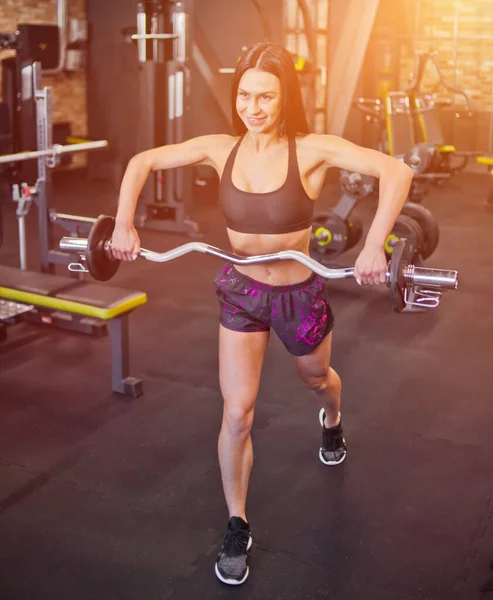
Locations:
(216, 147)
(216, 140)
(222, 144)
(315, 141)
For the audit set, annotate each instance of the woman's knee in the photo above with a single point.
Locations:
(323, 381)
(238, 419)
(317, 384)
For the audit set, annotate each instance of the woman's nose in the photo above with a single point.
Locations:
(253, 107)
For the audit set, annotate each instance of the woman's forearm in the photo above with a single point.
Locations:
(135, 177)
(393, 190)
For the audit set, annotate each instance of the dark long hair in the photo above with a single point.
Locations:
(274, 59)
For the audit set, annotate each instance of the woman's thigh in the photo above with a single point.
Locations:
(241, 356)
(315, 365)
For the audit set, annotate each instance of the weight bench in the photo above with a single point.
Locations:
(54, 297)
(488, 161)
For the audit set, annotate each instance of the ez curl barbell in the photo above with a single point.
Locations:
(411, 287)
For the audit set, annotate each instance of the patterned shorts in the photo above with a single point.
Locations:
(300, 314)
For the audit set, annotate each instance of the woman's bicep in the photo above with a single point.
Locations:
(195, 151)
(346, 155)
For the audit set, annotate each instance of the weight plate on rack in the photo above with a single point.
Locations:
(405, 227)
(429, 225)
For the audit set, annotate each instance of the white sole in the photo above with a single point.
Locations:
(331, 463)
(234, 581)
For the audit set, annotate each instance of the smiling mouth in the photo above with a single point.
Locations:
(255, 119)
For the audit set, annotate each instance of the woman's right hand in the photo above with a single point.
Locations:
(125, 243)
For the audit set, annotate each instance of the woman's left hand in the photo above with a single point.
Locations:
(371, 266)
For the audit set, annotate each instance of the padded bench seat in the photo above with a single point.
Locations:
(71, 295)
(447, 149)
(75, 296)
(485, 160)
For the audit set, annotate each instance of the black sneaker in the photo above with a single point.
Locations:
(333, 450)
(231, 564)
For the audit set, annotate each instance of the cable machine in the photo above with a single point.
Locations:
(162, 41)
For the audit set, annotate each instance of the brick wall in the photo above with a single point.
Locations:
(69, 89)
(462, 33)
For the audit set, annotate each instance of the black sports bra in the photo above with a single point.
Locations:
(286, 209)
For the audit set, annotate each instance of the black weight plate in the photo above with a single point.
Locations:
(401, 258)
(98, 263)
(329, 235)
(355, 231)
(427, 223)
(405, 227)
(357, 185)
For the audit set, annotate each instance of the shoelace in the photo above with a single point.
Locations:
(235, 542)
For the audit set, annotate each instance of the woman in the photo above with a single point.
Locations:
(271, 173)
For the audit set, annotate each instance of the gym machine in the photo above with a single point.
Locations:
(162, 41)
(45, 158)
(18, 111)
(425, 108)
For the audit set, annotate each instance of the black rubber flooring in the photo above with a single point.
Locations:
(107, 498)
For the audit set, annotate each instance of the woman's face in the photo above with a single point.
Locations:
(258, 101)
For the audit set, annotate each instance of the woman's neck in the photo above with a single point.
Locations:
(259, 142)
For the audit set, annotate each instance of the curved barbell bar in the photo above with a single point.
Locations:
(416, 276)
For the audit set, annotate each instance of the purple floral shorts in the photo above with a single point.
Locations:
(300, 314)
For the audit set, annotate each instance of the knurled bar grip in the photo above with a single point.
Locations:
(443, 279)
(54, 151)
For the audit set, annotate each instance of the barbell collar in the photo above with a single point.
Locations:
(73, 244)
(438, 278)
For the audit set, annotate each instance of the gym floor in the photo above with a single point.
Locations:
(103, 497)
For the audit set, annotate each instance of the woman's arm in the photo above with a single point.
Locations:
(395, 179)
(125, 243)
(195, 151)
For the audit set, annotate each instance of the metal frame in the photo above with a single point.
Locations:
(164, 195)
(47, 156)
(121, 382)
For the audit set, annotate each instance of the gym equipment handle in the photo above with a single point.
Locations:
(444, 279)
(154, 36)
